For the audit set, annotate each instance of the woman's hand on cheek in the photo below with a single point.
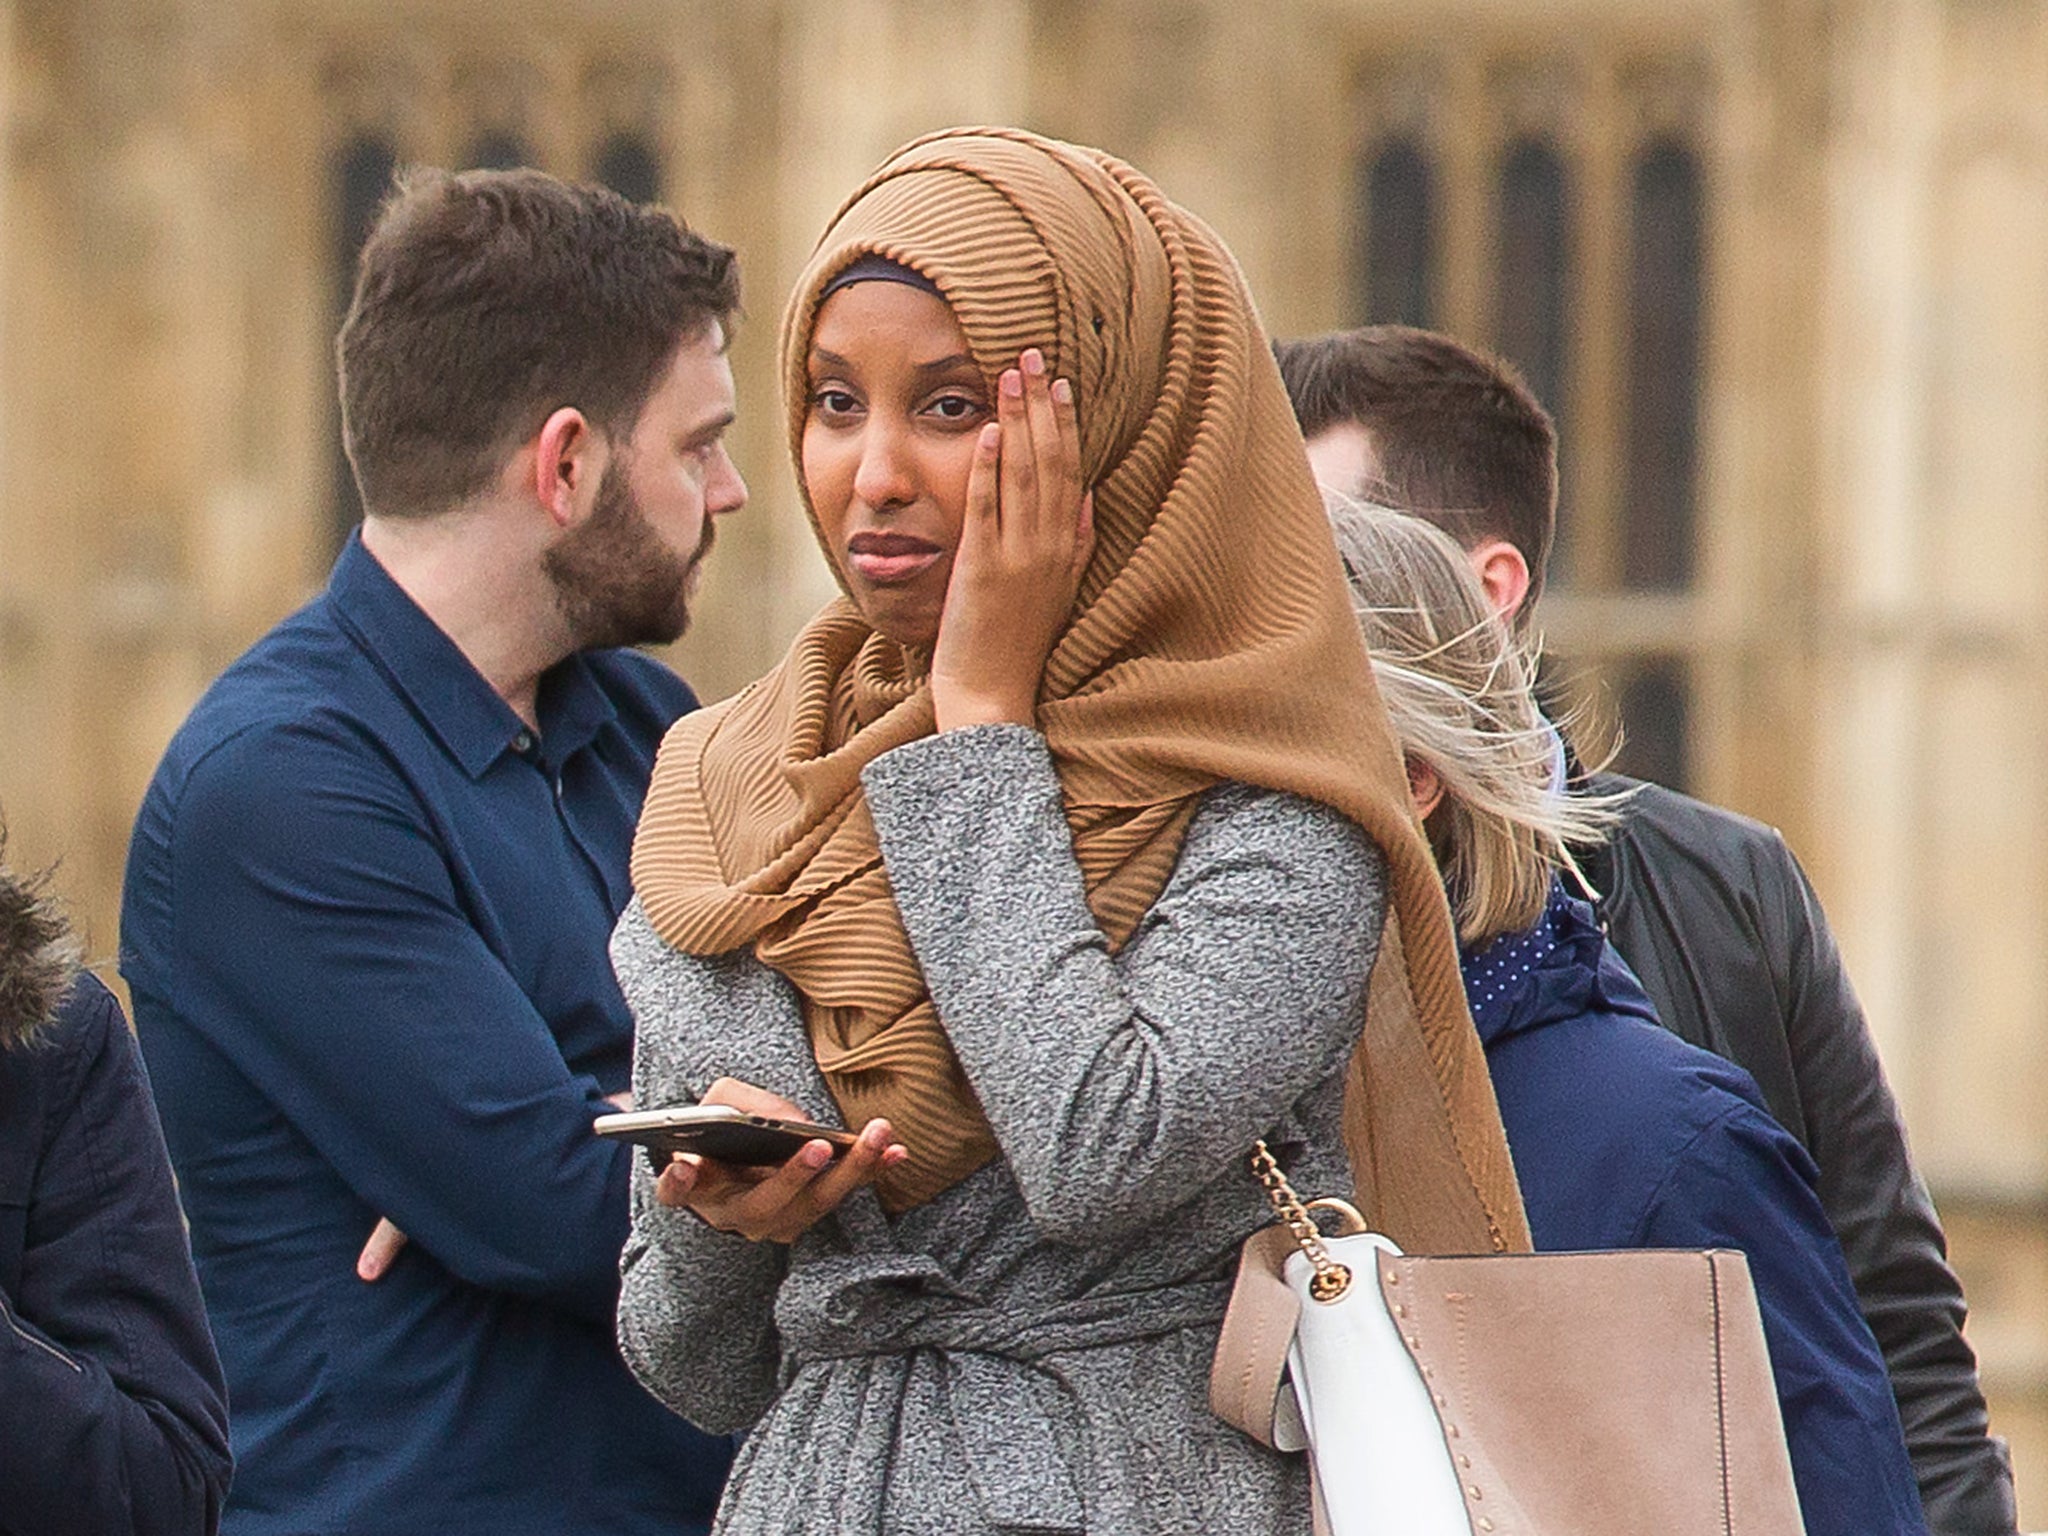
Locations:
(1024, 542)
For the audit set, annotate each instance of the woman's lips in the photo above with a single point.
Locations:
(885, 559)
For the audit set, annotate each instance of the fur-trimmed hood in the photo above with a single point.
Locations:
(37, 958)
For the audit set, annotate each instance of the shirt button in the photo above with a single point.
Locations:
(523, 742)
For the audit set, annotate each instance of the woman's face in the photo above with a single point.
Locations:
(896, 404)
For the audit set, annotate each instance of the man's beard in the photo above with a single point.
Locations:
(616, 581)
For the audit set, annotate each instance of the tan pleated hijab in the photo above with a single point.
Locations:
(1211, 641)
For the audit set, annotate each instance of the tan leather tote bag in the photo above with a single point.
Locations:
(1530, 1394)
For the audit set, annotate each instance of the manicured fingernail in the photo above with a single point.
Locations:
(876, 1136)
(1033, 361)
(817, 1154)
(1063, 392)
(992, 437)
(895, 1155)
(1012, 382)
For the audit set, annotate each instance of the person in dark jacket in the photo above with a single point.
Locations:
(113, 1416)
(1710, 909)
(1623, 1136)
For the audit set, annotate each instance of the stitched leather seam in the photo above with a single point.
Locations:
(1721, 1393)
(1468, 1477)
(1248, 1405)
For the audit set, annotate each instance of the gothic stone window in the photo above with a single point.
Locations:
(1662, 436)
(362, 173)
(439, 119)
(1583, 264)
(629, 165)
(1395, 280)
(1532, 267)
(497, 149)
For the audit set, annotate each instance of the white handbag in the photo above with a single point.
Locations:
(1356, 1386)
(1558, 1394)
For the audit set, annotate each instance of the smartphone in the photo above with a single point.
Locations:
(719, 1131)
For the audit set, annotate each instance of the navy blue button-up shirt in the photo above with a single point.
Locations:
(365, 924)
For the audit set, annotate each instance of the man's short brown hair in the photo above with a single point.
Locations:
(487, 300)
(1459, 437)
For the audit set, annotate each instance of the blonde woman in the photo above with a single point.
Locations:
(1623, 1135)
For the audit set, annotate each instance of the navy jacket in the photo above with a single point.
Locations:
(1626, 1137)
(366, 923)
(1715, 915)
(112, 1413)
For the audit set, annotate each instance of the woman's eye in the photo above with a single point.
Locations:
(834, 402)
(955, 407)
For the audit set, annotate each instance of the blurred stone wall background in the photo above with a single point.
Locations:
(1779, 266)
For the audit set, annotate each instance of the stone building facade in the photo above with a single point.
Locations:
(1776, 264)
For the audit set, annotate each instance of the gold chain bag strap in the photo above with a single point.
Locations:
(1433, 1394)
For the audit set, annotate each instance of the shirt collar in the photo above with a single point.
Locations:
(473, 722)
(574, 707)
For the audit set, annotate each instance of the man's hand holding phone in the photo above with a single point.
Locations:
(779, 1202)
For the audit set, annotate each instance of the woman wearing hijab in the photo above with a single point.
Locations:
(1624, 1135)
(1053, 859)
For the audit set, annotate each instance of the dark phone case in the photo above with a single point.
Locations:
(745, 1146)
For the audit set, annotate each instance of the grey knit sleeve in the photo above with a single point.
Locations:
(696, 1307)
(1119, 1085)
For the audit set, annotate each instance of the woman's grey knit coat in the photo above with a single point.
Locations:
(1030, 1350)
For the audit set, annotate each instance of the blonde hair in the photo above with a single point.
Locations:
(1459, 689)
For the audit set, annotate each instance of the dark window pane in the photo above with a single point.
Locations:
(1398, 194)
(1531, 272)
(497, 150)
(1661, 447)
(362, 175)
(1532, 262)
(629, 166)
(1655, 720)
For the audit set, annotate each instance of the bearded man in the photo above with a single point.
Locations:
(372, 883)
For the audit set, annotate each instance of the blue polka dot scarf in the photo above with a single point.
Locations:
(1498, 971)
